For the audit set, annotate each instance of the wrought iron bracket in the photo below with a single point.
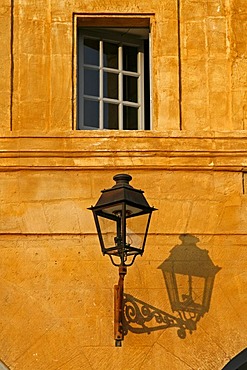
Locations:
(140, 317)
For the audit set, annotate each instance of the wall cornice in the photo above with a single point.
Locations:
(101, 150)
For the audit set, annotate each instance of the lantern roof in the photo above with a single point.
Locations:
(121, 192)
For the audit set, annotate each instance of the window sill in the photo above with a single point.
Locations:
(126, 134)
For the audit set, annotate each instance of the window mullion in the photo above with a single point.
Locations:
(101, 103)
(140, 92)
(120, 88)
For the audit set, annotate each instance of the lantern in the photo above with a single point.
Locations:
(122, 217)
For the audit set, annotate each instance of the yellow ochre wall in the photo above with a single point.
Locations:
(56, 288)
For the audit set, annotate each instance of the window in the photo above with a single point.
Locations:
(113, 78)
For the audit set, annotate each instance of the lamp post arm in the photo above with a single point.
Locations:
(118, 307)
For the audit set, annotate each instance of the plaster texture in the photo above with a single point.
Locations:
(56, 289)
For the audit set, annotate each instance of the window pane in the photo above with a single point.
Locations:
(110, 55)
(130, 58)
(111, 116)
(110, 85)
(91, 113)
(130, 118)
(130, 88)
(91, 51)
(91, 82)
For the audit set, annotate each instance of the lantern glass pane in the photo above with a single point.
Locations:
(108, 231)
(135, 230)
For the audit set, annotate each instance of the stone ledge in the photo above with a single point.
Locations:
(173, 150)
(154, 152)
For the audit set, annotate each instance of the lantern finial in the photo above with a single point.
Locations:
(122, 179)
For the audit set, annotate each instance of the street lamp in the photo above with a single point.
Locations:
(122, 216)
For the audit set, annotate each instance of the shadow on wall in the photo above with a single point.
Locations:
(189, 276)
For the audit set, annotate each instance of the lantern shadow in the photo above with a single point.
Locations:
(189, 275)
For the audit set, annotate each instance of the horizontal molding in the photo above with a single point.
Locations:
(141, 150)
(121, 153)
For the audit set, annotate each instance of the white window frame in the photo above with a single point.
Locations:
(109, 35)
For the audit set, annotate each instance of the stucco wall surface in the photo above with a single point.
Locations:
(56, 288)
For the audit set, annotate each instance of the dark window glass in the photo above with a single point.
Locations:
(91, 113)
(130, 88)
(110, 55)
(130, 58)
(130, 118)
(104, 91)
(110, 116)
(91, 51)
(110, 83)
(91, 82)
